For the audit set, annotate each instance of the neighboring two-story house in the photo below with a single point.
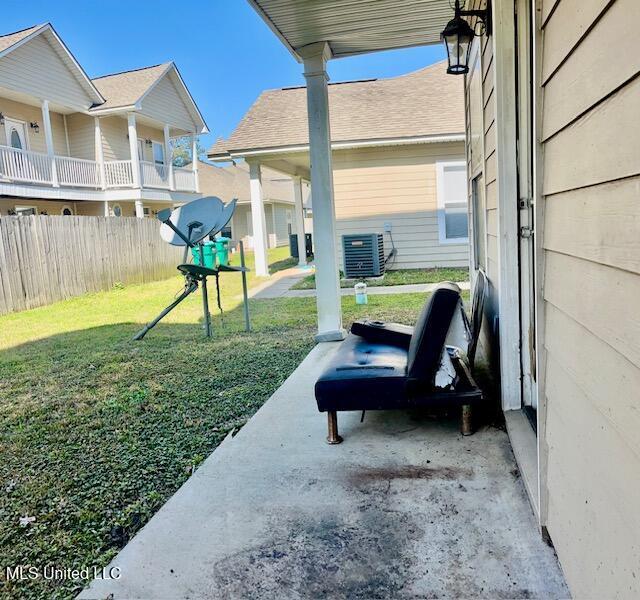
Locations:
(74, 145)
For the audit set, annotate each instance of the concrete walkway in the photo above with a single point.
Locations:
(404, 508)
(279, 283)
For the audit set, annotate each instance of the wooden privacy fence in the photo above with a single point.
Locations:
(44, 259)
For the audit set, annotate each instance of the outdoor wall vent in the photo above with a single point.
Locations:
(363, 255)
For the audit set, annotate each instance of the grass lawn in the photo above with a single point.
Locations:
(398, 277)
(97, 431)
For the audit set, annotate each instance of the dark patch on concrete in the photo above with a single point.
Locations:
(362, 475)
(368, 556)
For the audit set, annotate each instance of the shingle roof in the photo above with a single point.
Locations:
(8, 40)
(233, 182)
(125, 89)
(423, 103)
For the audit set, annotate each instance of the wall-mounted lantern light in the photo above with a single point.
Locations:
(35, 126)
(458, 35)
(1, 119)
(148, 142)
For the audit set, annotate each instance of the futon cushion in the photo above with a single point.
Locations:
(363, 375)
(430, 333)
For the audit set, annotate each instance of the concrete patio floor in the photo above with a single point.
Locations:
(405, 507)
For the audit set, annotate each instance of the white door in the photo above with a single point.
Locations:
(16, 134)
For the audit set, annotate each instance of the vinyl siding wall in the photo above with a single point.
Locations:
(35, 69)
(27, 113)
(591, 140)
(482, 164)
(80, 208)
(396, 185)
(164, 102)
(277, 230)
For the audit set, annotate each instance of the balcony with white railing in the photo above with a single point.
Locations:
(23, 166)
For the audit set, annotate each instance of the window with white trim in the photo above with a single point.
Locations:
(453, 211)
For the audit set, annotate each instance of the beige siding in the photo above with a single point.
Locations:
(115, 144)
(275, 218)
(481, 98)
(81, 136)
(165, 104)
(115, 141)
(28, 114)
(36, 69)
(396, 185)
(281, 223)
(592, 283)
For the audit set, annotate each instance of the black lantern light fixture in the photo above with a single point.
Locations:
(458, 35)
(35, 126)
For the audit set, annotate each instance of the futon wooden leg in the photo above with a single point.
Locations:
(466, 425)
(333, 437)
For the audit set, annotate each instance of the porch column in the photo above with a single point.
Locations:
(324, 215)
(299, 210)
(139, 209)
(133, 150)
(168, 158)
(194, 161)
(48, 138)
(105, 208)
(99, 153)
(258, 220)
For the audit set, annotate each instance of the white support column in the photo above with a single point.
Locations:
(258, 221)
(324, 215)
(168, 158)
(133, 150)
(194, 161)
(299, 216)
(139, 209)
(99, 152)
(48, 138)
(105, 208)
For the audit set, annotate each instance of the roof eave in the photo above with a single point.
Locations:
(340, 145)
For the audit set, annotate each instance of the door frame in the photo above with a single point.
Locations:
(526, 202)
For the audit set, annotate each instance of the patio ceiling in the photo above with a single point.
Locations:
(355, 26)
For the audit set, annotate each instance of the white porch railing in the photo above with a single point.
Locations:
(35, 167)
(185, 179)
(154, 175)
(77, 172)
(21, 165)
(118, 173)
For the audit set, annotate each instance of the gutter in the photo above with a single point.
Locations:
(427, 139)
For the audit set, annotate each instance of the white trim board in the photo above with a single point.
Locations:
(507, 178)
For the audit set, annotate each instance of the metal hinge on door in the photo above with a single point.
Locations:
(526, 232)
(525, 203)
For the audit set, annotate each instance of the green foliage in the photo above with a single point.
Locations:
(182, 151)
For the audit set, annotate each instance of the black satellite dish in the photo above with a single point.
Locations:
(188, 226)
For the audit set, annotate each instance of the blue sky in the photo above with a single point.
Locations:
(224, 51)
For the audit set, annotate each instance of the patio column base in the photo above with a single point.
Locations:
(466, 425)
(331, 336)
(333, 437)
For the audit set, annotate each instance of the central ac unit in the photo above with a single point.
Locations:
(363, 255)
